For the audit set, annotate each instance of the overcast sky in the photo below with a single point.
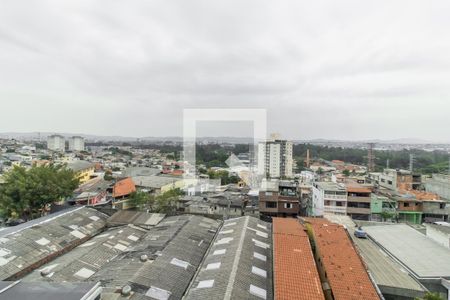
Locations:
(322, 69)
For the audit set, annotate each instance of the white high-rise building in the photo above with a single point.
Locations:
(76, 143)
(275, 159)
(56, 142)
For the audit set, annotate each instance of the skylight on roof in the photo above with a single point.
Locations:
(220, 252)
(262, 234)
(158, 293)
(205, 284)
(133, 238)
(42, 241)
(229, 224)
(213, 266)
(226, 231)
(224, 241)
(120, 247)
(77, 234)
(259, 292)
(84, 273)
(94, 218)
(180, 263)
(262, 226)
(259, 256)
(258, 271)
(261, 244)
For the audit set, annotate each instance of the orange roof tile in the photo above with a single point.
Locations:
(344, 269)
(295, 272)
(124, 187)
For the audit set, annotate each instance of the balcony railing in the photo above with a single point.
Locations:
(335, 197)
(335, 209)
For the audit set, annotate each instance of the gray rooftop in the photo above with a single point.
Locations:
(175, 248)
(24, 247)
(330, 186)
(88, 258)
(140, 171)
(154, 181)
(11, 290)
(422, 256)
(238, 264)
(79, 165)
(139, 218)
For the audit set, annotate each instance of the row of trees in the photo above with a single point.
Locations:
(426, 162)
(162, 203)
(27, 193)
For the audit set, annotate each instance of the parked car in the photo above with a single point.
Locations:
(360, 233)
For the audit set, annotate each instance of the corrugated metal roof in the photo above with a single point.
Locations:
(50, 236)
(85, 260)
(243, 247)
(175, 248)
(139, 218)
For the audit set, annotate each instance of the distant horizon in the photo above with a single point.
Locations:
(400, 140)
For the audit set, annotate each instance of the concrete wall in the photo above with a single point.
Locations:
(438, 236)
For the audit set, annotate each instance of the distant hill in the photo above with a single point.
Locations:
(234, 140)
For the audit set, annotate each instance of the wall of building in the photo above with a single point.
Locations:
(439, 184)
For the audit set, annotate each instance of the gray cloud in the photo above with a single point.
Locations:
(324, 69)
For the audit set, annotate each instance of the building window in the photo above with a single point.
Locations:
(405, 204)
(390, 182)
(441, 205)
(288, 205)
(271, 205)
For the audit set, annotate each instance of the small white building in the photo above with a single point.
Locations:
(329, 197)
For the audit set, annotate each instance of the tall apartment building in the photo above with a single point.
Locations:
(275, 159)
(76, 143)
(56, 142)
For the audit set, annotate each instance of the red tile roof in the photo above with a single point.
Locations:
(295, 272)
(344, 269)
(124, 187)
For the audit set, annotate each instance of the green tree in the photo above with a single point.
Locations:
(346, 173)
(142, 200)
(27, 192)
(108, 175)
(431, 296)
(167, 201)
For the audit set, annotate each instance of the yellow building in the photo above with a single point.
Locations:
(83, 169)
